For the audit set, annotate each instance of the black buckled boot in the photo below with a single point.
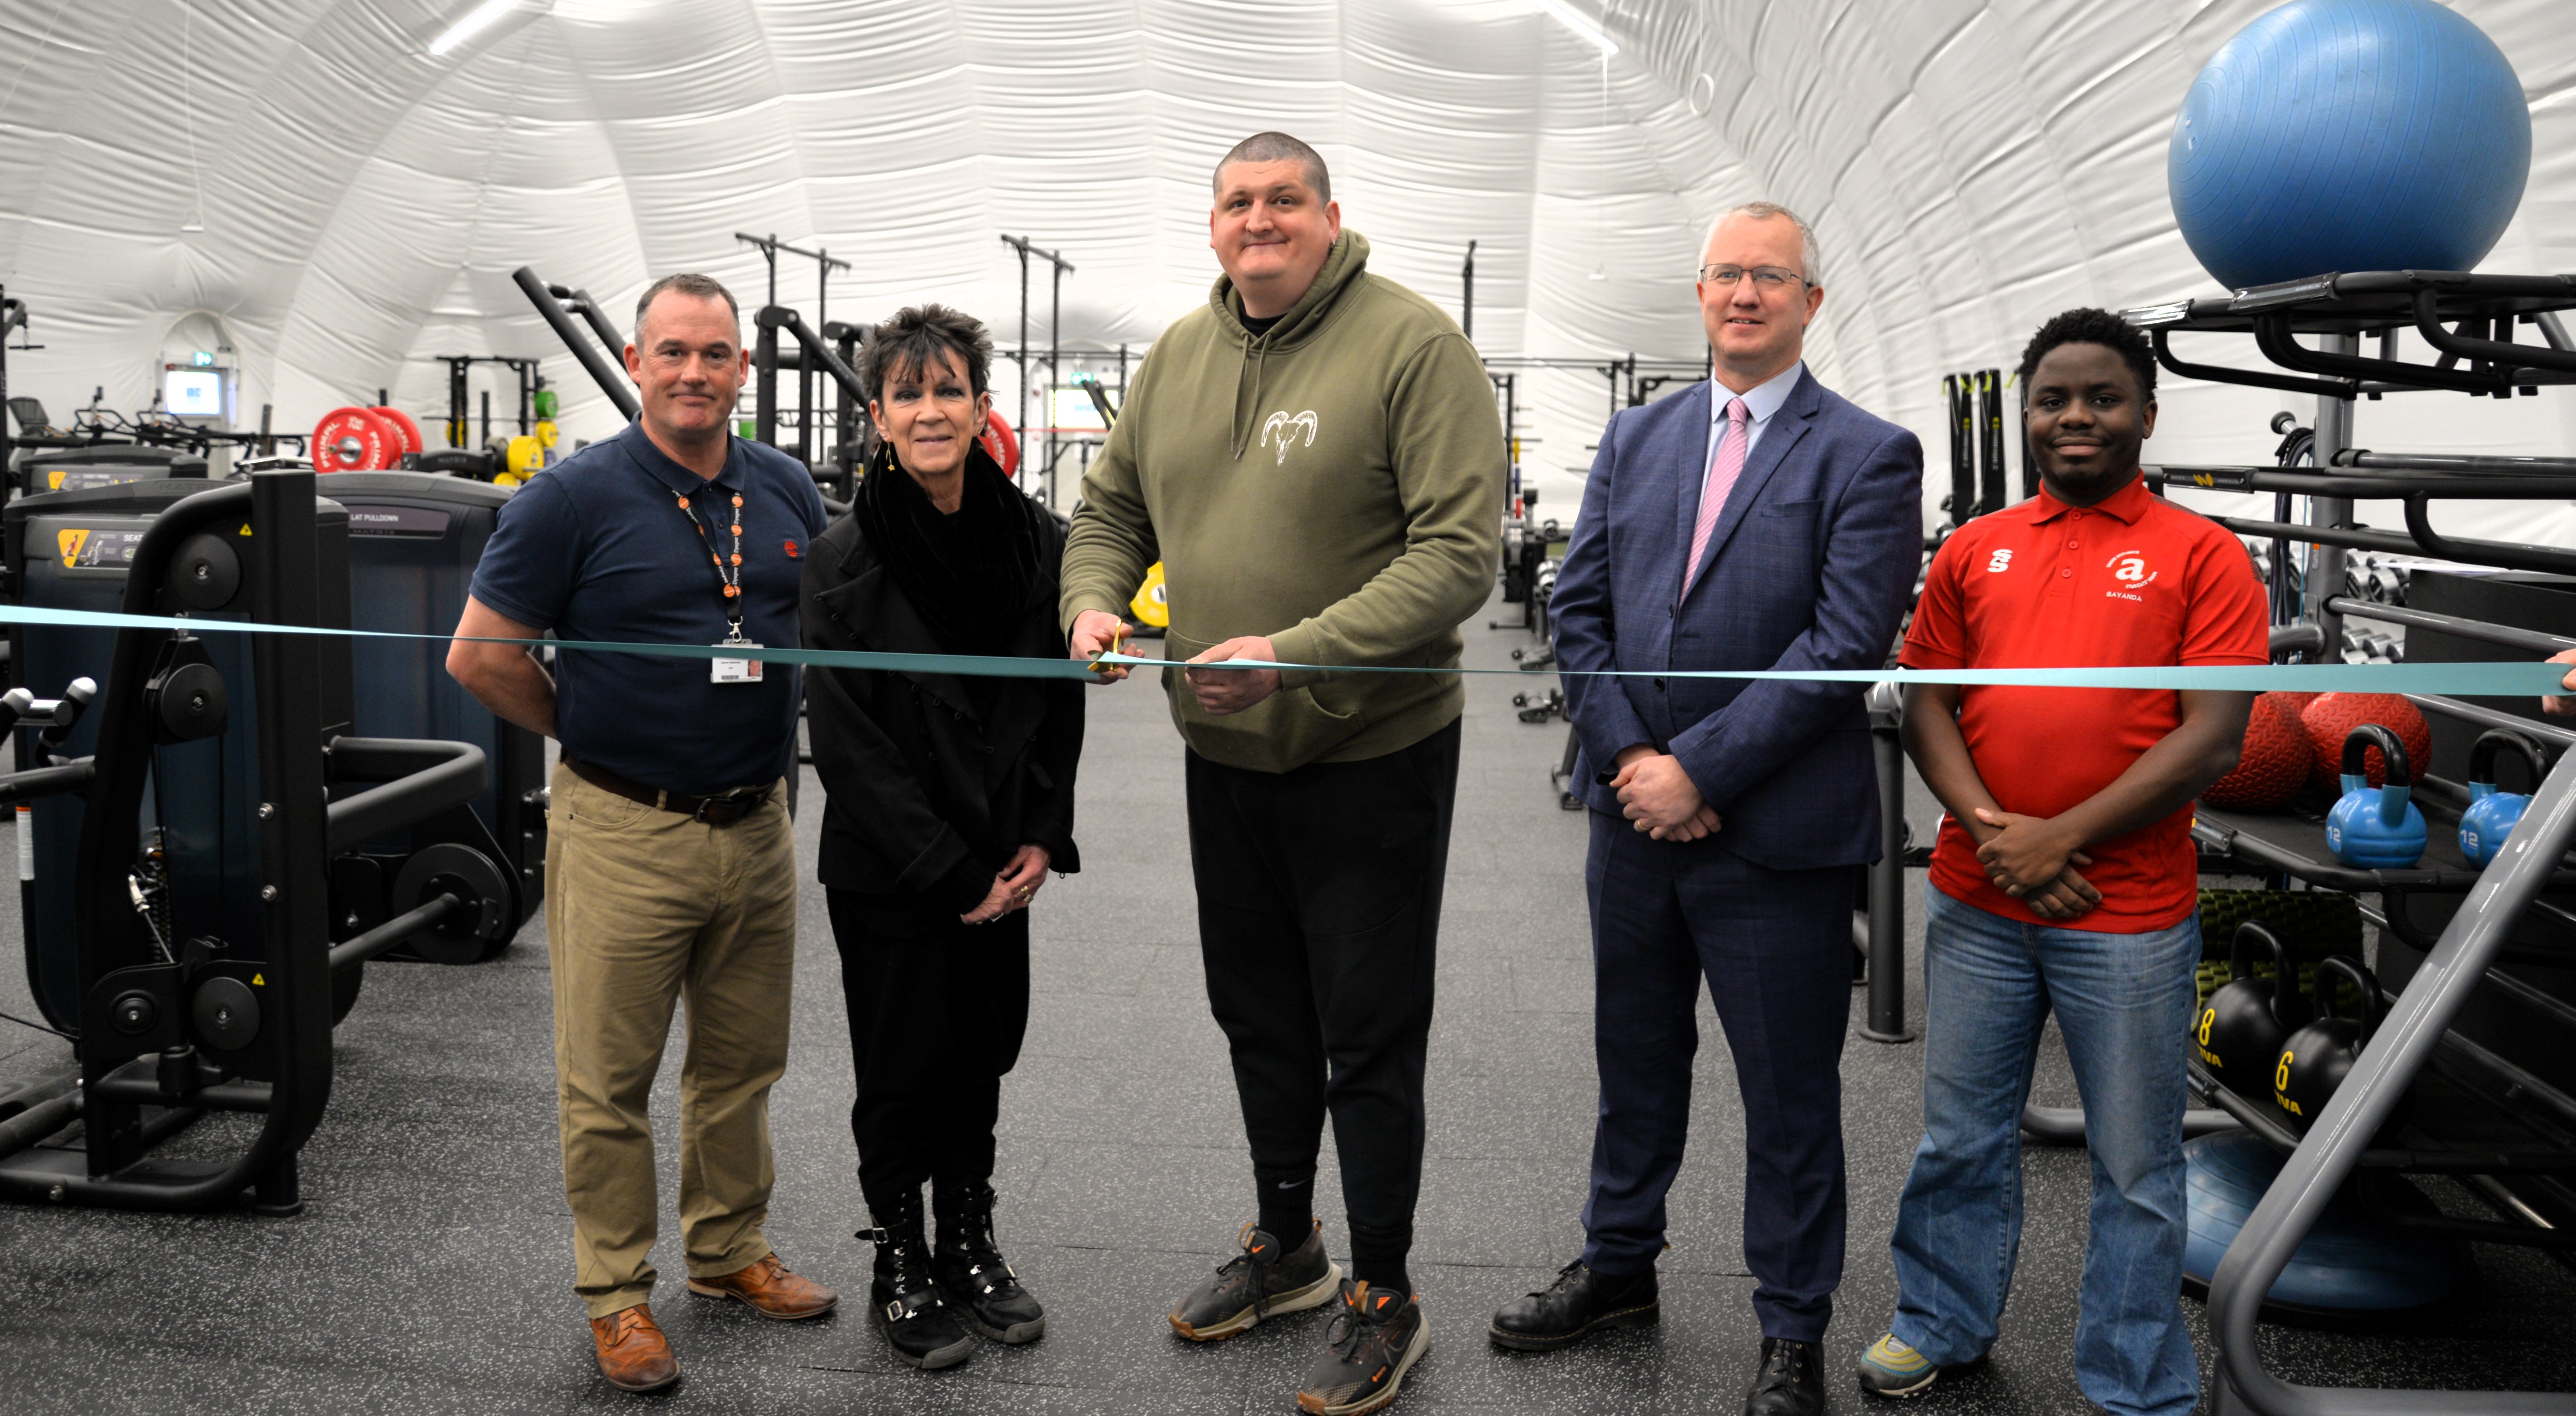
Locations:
(904, 1299)
(969, 1269)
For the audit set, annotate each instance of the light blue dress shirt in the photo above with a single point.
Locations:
(1761, 402)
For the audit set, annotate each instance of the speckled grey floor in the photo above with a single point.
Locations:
(431, 1271)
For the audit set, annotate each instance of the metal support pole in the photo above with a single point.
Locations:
(1021, 354)
(764, 385)
(1467, 294)
(457, 402)
(12, 312)
(1055, 376)
(2324, 579)
(1063, 268)
(1991, 495)
(294, 838)
(1887, 876)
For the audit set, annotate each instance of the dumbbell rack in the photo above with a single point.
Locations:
(2469, 321)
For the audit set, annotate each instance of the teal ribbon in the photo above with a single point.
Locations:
(2482, 680)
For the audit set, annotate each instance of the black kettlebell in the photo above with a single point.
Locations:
(2244, 1023)
(2316, 1058)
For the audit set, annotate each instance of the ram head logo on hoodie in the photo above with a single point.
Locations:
(1285, 427)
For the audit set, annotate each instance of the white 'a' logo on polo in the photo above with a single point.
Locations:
(1285, 427)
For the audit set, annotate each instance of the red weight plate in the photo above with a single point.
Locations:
(404, 425)
(1002, 443)
(354, 440)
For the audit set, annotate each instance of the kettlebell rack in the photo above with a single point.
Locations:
(2496, 1119)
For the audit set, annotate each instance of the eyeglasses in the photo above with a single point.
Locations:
(1766, 279)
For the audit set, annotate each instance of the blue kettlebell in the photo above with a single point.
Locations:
(2492, 814)
(2376, 830)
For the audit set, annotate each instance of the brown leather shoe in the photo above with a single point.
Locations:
(770, 1290)
(633, 1354)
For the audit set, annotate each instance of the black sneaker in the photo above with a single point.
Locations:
(1570, 1309)
(1262, 1281)
(969, 1270)
(1791, 1381)
(904, 1300)
(1375, 1340)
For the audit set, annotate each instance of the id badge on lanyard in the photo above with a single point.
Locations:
(729, 669)
(743, 670)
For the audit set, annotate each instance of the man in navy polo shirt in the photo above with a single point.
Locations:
(670, 864)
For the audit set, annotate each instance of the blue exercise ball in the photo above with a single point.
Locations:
(2348, 135)
(2351, 1264)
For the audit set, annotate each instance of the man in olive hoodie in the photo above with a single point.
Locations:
(1316, 460)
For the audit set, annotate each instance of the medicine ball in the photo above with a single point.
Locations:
(2332, 718)
(2347, 135)
(2275, 762)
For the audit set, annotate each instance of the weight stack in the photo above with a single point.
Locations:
(2313, 923)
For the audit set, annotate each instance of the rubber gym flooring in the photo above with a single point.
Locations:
(431, 1270)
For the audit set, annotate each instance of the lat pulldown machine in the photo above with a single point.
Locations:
(205, 936)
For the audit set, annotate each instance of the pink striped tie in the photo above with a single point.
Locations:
(1723, 469)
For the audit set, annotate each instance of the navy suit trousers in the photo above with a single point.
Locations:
(1775, 947)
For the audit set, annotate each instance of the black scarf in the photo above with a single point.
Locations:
(971, 574)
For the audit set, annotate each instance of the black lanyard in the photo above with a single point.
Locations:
(727, 576)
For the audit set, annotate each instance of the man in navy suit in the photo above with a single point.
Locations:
(1757, 522)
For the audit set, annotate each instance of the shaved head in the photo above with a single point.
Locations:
(1276, 147)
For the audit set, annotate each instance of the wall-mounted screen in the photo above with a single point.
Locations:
(193, 393)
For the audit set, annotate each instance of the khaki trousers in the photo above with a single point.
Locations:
(645, 907)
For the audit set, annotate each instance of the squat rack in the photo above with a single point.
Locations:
(1055, 346)
(825, 263)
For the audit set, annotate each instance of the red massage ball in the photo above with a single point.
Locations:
(2332, 718)
(2275, 761)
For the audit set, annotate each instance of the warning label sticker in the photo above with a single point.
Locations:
(97, 550)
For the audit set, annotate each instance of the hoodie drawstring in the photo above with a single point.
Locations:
(1256, 352)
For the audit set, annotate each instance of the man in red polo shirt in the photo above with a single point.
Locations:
(2064, 878)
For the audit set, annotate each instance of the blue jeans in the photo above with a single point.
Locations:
(2124, 1004)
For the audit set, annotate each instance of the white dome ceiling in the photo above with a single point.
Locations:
(1970, 168)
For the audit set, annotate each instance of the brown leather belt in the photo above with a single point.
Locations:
(723, 809)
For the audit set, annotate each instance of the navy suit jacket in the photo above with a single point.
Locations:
(1810, 566)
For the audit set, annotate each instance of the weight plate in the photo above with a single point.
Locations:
(354, 440)
(404, 425)
(526, 457)
(1151, 606)
(1002, 443)
(448, 868)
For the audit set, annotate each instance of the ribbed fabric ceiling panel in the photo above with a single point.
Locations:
(1971, 168)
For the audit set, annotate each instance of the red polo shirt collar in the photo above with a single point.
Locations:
(2125, 505)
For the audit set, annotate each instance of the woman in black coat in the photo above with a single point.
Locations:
(950, 799)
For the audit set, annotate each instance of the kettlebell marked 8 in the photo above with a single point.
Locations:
(2247, 1019)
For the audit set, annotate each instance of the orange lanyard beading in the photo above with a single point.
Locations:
(728, 576)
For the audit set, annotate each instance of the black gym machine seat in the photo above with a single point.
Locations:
(168, 1030)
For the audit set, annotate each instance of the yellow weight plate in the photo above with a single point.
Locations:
(1152, 606)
